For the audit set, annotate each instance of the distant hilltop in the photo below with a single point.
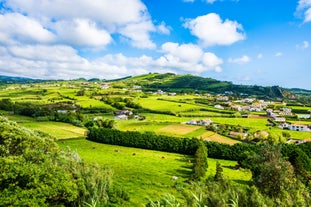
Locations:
(171, 82)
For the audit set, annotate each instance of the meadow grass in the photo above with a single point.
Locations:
(56, 129)
(161, 105)
(147, 174)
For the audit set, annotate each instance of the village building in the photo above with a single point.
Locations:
(279, 119)
(219, 107)
(202, 122)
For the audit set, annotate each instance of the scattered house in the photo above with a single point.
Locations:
(279, 119)
(300, 127)
(286, 112)
(121, 117)
(136, 87)
(284, 125)
(64, 111)
(160, 92)
(123, 112)
(105, 86)
(202, 122)
(219, 107)
(296, 127)
(222, 98)
(239, 135)
(270, 113)
(244, 115)
(303, 116)
(172, 94)
(236, 107)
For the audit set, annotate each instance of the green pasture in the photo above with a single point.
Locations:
(257, 123)
(59, 130)
(161, 105)
(199, 113)
(141, 126)
(164, 118)
(147, 174)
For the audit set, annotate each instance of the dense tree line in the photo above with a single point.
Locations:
(146, 140)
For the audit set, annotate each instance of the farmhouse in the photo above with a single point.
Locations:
(296, 127)
(204, 122)
(219, 107)
(300, 127)
(121, 117)
(303, 116)
(279, 119)
(239, 135)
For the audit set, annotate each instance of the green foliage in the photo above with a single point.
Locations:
(200, 162)
(146, 140)
(36, 172)
(219, 173)
(106, 123)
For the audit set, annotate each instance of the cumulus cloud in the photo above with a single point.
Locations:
(138, 33)
(82, 32)
(304, 7)
(242, 60)
(61, 61)
(163, 29)
(91, 23)
(212, 30)
(188, 57)
(15, 27)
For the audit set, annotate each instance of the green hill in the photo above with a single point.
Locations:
(191, 83)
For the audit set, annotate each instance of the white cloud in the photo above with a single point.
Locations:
(188, 57)
(82, 32)
(278, 54)
(91, 22)
(15, 27)
(260, 56)
(242, 60)
(138, 33)
(64, 62)
(303, 45)
(211, 30)
(163, 29)
(304, 6)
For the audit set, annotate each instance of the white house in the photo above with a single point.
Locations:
(279, 119)
(300, 127)
(121, 117)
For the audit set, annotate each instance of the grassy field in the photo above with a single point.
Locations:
(59, 130)
(147, 174)
(161, 105)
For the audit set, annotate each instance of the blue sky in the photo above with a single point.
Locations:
(242, 41)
